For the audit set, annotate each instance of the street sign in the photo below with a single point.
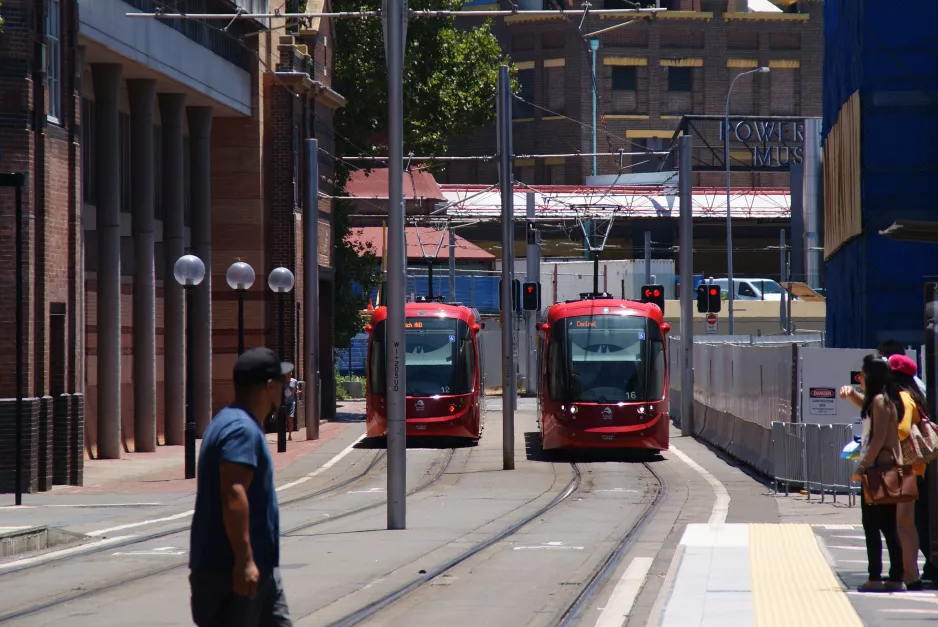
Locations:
(711, 324)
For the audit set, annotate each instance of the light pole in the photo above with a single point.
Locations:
(240, 277)
(280, 281)
(594, 46)
(729, 219)
(189, 272)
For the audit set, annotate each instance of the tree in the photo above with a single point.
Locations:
(450, 77)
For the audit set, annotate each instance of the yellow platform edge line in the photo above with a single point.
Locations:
(792, 583)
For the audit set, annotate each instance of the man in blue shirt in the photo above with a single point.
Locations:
(234, 555)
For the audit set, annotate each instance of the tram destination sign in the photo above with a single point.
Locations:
(774, 143)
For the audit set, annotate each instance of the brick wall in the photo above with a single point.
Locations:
(705, 44)
(47, 150)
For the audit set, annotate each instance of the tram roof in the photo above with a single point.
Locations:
(603, 306)
(429, 310)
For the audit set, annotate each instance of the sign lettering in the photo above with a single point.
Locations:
(774, 144)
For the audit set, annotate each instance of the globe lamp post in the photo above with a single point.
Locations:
(240, 277)
(281, 282)
(189, 272)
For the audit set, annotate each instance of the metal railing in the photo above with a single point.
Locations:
(808, 455)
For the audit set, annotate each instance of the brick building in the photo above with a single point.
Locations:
(141, 140)
(650, 73)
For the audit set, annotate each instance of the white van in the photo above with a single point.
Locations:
(752, 289)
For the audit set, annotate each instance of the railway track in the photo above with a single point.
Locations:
(569, 614)
(123, 580)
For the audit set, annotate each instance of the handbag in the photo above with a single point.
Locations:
(921, 447)
(889, 484)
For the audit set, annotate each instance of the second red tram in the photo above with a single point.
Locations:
(604, 375)
(445, 385)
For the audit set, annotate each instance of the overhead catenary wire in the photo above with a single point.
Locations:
(377, 13)
(566, 155)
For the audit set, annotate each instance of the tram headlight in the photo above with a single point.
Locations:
(573, 409)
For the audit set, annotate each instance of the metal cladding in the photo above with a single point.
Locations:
(876, 55)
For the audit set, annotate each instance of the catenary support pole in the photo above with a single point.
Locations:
(783, 256)
(19, 338)
(685, 185)
(396, 374)
(647, 257)
(594, 46)
(533, 274)
(931, 391)
(311, 365)
(452, 265)
(507, 315)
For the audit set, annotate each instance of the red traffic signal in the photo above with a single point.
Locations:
(653, 294)
(709, 298)
(531, 297)
(714, 291)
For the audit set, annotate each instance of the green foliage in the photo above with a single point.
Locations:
(450, 78)
(1, 19)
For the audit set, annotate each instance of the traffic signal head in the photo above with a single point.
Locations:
(515, 294)
(531, 296)
(709, 298)
(653, 294)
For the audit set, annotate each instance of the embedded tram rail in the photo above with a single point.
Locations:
(571, 612)
(441, 464)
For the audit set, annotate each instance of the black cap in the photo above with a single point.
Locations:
(256, 366)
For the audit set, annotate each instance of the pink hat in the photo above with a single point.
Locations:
(901, 363)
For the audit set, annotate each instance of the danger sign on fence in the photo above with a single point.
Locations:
(822, 402)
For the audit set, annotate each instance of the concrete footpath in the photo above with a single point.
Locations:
(152, 486)
(770, 559)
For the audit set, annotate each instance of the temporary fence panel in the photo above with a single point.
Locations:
(822, 372)
(622, 278)
(808, 456)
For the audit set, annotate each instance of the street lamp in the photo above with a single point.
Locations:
(280, 281)
(240, 277)
(729, 220)
(189, 272)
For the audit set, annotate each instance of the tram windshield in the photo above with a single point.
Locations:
(439, 357)
(606, 359)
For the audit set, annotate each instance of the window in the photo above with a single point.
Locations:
(525, 174)
(555, 88)
(54, 59)
(647, 163)
(783, 96)
(624, 89)
(556, 174)
(124, 134)
(523, 110)
(88, 167)
(624, 78)
(680, 79)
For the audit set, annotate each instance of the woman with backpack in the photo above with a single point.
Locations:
(880, 449)
(912, 518)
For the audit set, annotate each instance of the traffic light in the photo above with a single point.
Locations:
(531, 296)
(709, 298)
(653, 294)
(515, 294)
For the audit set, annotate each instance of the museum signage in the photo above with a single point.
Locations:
(774, 143)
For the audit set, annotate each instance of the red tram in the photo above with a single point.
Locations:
(603, 375)
(443, 369)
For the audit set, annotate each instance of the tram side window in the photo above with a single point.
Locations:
(376, 376)
(658, 368)
(556, 367)
(469, 356)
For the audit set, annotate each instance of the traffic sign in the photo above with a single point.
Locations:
(711, 324)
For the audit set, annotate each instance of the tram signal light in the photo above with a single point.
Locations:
(653, 294)
(515, 294)
(531, 296)
(709, 298)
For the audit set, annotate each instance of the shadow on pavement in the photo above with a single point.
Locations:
(430, 442)
(536, 453)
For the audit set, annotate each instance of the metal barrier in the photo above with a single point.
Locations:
(809, 455)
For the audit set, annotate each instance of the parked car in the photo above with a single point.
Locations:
(752, 289)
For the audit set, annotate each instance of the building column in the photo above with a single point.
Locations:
(107, 82)
(200, 206)
(172, 196)
(142, 95)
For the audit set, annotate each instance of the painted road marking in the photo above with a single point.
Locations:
(368, 491)
(52, 555)
(850, 537)
(88, 505)
(163, 550)
(329, 464)
(626, 591)
(616, 490)
(101, 532)
(11, 529)
(722, 505)
(549, 546)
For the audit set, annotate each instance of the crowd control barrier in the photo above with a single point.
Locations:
(808, 456)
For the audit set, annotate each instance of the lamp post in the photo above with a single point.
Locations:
(189, 272)
(729, 220)
(240, 277)
(280, 282)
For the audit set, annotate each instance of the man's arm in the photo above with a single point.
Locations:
(235, 481)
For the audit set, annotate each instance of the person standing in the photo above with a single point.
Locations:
(880, 447)
(289, 400)
(234, 556)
